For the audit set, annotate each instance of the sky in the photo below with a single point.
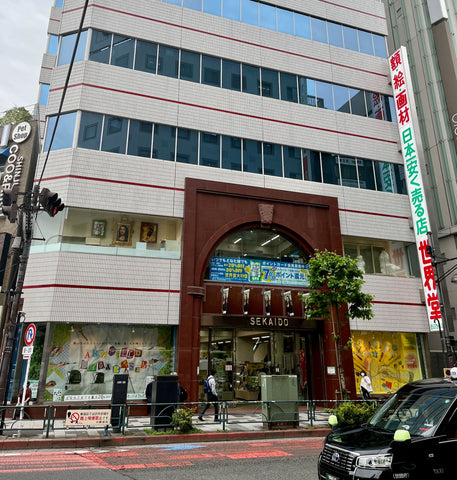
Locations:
(23, 40)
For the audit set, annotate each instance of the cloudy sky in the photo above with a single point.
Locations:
(23, 39)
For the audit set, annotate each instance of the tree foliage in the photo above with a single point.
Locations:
(15, 115)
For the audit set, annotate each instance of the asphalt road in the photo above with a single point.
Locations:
(260, 460)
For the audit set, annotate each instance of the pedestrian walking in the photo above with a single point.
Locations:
(365, 386)
(211, 396)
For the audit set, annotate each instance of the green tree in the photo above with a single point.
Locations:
(335, 281)
(15, 115)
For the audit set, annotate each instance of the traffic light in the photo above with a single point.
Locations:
(9, 203)
(50, 202)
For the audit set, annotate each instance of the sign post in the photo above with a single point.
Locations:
(27, 351)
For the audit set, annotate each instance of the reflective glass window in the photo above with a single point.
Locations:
(173, 2)
(350, 38)
(270, 83)
(193, 4)
(122, 51)
(348, 172)
(312, 166)
(212, 6)
(302, 26)
(319, 30)
(231, 153)
(379, 44)
(114, 138)
(210, 150)
(365, 42)
(388, 108)
(358, 106)
(250, 12)
(59, 3)
(251, 79)
(252, 156)
(324, 95)
(44, 93)
(267, 16)
(231, 75)
(399, 179)
(164, 142)
(140, 139)
(341, 97)
(285, 21)
(65, 131)
(374, 105)
(292, 162)
(146, 56)
(211, 71)
(307, 89)
(100, 46)
(231, 9)
(335, 34)
(53, 45)
(383, 173)
(289, 87)
(272, 159)
(90, 130)
(168, 61)
(366, 174)
(67, 44)
(187, 146)
(190, 66)
(330, 168)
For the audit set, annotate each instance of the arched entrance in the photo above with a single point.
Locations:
(213, 213)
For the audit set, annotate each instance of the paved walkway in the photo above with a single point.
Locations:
(31, 434)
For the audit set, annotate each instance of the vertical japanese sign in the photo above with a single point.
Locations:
(404, 107)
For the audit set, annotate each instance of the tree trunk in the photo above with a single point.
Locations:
(339, 358)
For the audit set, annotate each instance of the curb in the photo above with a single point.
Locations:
(124, 441)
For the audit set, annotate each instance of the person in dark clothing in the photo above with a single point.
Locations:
(22, 400)
(211, 397)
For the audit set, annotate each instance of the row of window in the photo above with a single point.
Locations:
(293, 23)
(132, 137)
(194, 67)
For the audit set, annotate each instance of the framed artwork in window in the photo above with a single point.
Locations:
(148, 232)
(123, 231)
(98, 228)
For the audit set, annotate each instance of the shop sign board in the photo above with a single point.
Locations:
(88, 418)
(405, 110)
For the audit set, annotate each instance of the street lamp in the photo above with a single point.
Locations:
(447, 342)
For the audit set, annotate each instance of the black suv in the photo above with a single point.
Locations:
(412, 436)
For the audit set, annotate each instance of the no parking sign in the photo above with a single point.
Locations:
(30, 334)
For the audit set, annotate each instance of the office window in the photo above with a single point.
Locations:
(231, 75)
(302, 26)
(270, 85)
(324, 95)
(374, 105)
(59, 3)
(90, 130)
(292, 162)
(168, 61)
(348, 172)
(358, 105)
(366, 174)
(44, 94)
(330, 168)
(114, 136)
(272, 159)
(193, 4)
(67, 44)
(146, 56)
(335, 34)
(187, 149)
(173, 2)
(190, 66)
(53, 45)
(64, 133)
(250, 12)
(383, 173)
(267, 16)
(212, 7)
(100, 46)
(289, 87)
(388, 108)
(122, 51)
(140, 138)
(210, 152)
(399, 179)
(251, 79)
(285, 21)
(164, 142)
(319, 30)
(379, 45)
(350, 38)
(231, 9)
(252, 156)
(341, 97)
(307, 89)
(365, 42)
(312, 166)
(211, 71)
(231, 153)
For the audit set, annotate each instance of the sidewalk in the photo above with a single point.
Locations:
(241, 427)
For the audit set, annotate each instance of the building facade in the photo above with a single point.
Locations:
(205, 149)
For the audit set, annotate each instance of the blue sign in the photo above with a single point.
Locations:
(227, 269)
